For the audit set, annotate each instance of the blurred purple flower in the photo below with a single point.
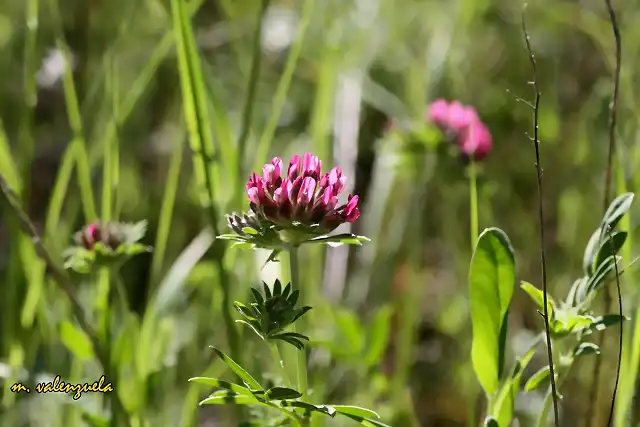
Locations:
(304, 195)
(464, 125)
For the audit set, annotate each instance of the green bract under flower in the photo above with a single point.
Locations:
(105, 245)
(268, 316)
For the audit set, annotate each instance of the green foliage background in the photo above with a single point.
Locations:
(111, 140)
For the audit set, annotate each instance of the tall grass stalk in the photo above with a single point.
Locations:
(282, 90)
(196, 108)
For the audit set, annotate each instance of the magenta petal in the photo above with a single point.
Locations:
(294, 168)
(277, 166)
(253, 195)
(307, 191)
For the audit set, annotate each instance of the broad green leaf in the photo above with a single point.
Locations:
(282, 393)
(538, 379)
(76, 340)
(378, 336)
(239, 370)
(617, 209)
(586, 348)
(538, 297)
(356, 410)
(213, 382)
(616, 240)
(491, 286)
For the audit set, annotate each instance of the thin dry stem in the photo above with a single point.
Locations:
(613, 108)
(536, 144)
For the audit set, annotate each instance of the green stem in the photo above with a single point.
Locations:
(473, 203)
(277, 358)
(301, 368)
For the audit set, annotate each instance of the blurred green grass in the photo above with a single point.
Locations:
(118, 135)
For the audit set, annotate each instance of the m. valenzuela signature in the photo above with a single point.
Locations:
(59, 386)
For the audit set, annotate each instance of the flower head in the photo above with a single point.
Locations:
(303, 195)
(105, 244)
(463, 124)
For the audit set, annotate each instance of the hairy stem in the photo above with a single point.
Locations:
(543, 264)
(301, 368)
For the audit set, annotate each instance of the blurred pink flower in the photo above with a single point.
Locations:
(90, 236)
(476, 140)
(305, 195)
(463, 123)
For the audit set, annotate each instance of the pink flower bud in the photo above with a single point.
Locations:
(351, 211)
(294, 168)
(311, 166)
(307, 191)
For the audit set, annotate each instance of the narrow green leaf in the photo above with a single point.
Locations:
(364, 421)
(257, 296)
(76, 341)
(213, 382)
(601, 323)
(598, 278)
(238, 370)
(586, 348)
(282, 393)
(491, 286)
(538, 297)
(616, 240)
(229, 398)
(356, 410)
(308, 407)
(255, 327)
(538, 379)
(617, 209)
(590, 251)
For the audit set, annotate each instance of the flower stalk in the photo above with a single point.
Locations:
(301, 368)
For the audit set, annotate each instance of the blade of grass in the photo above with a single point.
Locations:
(254, 76)
(201, 141)
(282, 90)
(166, 214)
